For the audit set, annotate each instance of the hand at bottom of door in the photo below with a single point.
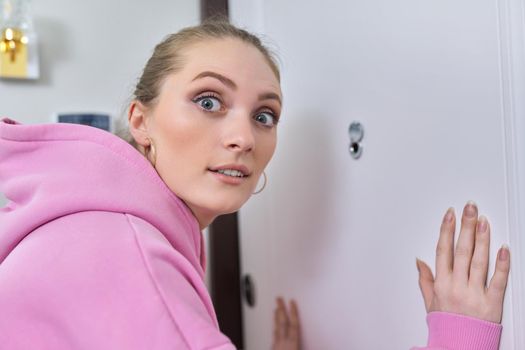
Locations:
(287, 330)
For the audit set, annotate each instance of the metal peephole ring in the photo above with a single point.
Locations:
(356, 133)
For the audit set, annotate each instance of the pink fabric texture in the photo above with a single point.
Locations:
(95, 251)
(457, 332)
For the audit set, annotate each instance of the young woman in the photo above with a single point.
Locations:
(100, 243)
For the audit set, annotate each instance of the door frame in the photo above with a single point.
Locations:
(512, 58)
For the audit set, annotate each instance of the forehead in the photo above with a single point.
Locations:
(239, 61)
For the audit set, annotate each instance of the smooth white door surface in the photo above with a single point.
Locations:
(428, 81)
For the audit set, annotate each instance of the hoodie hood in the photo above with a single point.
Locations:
(51, 170)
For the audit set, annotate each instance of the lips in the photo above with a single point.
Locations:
(233, 170)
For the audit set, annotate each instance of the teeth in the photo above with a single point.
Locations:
(231, 172)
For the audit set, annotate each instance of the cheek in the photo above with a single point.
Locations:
(183, 130)
(268, 144)
(184, 145)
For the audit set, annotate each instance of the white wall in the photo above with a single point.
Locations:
(91, 53)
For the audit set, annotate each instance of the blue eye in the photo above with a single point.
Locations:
(266, 118)
(208, 103)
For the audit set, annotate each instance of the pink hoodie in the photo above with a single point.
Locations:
(97, 253)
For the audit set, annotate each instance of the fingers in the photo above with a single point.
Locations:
(294, 332)
(480, 258)
(465, 245)
(464, 290)
(281, 321)
(445, 246)
(426, 283)
(498, 283)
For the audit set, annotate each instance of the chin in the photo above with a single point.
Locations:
(219, 204)
(227, 206)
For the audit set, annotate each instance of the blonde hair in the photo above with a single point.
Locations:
(167, 59)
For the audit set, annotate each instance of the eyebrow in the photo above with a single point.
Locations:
(226, 81)
(270, 96)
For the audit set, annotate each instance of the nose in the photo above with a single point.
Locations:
(239, 134)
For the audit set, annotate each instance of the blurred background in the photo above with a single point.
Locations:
(91, 53)
(394, 111)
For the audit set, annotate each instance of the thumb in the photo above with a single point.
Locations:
(426, 282)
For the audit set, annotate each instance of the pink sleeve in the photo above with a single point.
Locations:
(448, 331)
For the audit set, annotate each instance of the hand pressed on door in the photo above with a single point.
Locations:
(287, 330)
(460, 285)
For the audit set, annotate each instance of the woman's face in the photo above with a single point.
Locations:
(214, 126)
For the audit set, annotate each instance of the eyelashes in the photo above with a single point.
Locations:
(211, 102)
(267, 119)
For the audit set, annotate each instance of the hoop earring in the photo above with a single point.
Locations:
(151, 153)
(264, 185)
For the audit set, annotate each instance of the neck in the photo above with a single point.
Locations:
(203, 217)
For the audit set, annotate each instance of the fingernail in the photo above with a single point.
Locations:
(504, 253)
(482, 225)
(470, 209)
(449, 215)
(417, 265)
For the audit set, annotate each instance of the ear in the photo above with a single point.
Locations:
(137, 121)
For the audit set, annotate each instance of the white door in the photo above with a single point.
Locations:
(428, 82)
